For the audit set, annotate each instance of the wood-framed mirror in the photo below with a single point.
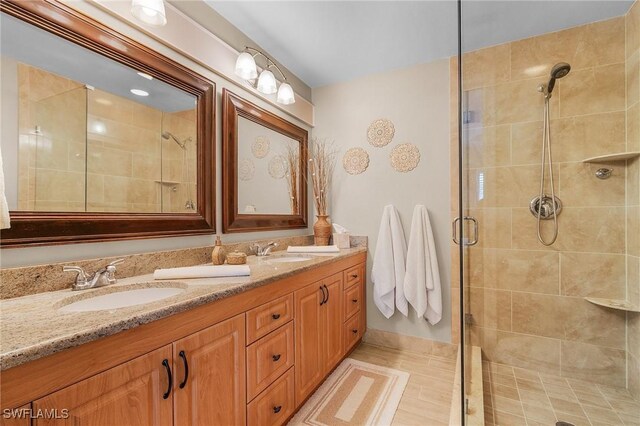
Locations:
(263, 169)
(102, 137)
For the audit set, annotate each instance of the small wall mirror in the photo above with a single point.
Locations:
(102, 127)
(263, 169)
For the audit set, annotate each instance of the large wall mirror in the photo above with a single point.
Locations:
(264, 169)
(101, 137)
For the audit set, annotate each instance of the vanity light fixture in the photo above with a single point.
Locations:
(247, 70)
(139, 92)
(149, 11)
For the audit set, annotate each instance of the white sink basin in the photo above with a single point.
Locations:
(290, 259)
(121, 299)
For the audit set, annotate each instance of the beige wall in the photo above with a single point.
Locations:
(527, 300)
(633, 195)
(416, 100)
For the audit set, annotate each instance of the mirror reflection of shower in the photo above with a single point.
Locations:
(548, 206)
(189, 204)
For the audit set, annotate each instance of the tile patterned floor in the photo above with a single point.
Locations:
(427, 398)
(514, 396)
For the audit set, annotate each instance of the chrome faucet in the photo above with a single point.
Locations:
(263, 250)
(101, 277)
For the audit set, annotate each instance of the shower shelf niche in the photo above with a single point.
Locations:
(622, 305)
(620, 156)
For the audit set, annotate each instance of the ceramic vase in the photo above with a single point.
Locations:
(322, 230)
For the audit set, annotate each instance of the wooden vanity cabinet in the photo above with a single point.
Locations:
(136, 392)
(253, 358)
(209, 387)
(319, 326)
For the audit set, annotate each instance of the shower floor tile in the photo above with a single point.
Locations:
(519, 396)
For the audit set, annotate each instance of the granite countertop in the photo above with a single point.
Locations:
(32, 327)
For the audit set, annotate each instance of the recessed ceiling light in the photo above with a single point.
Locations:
(145, 75)
(139, 92)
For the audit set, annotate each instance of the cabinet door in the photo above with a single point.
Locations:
(214, 391)
(129, 394)
(332, 326)
(308, 344)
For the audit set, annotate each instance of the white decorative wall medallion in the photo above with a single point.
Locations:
(260, 147)
(405, 157)
(277, 167)
(246, 169)
(355, 161)
(380, 132)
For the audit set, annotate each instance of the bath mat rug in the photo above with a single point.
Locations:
(356, 393)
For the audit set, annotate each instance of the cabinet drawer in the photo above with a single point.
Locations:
(352, 276)
(274, 405)
(352, 332)
(268, 358)
(266, 318)
(352, 301)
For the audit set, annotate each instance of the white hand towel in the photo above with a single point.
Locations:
(422, 280)
(388, 270)
(201, 272)
(313, 249)
(4, 207)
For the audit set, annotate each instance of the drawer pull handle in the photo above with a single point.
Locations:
(354, 300)
(355, 331)
(354, 276)
(276, 357)
(186, 369)
(275, 316)
(277, 409)
(165, 362)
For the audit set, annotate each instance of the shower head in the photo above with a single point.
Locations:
(168, 135)
(559, 70)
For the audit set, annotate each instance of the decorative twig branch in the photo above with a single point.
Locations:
(322, 161)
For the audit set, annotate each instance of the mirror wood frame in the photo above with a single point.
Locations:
(47, 228)
(234, 107)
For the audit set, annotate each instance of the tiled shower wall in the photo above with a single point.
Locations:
(527, 300)
(633, 196)
(117, 140)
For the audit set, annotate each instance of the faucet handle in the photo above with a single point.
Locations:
(81, 274)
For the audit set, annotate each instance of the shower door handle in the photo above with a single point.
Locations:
(454, 226)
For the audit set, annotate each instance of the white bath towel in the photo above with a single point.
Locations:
(201, 272)
(313, 249)
(4, 207)
(388, 270)
(422, 279)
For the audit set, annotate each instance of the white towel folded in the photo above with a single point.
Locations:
(313, 249)
(422, 279)
(202, 272)
(4, 207)
(388, 269)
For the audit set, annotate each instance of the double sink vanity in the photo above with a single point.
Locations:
(224, 351)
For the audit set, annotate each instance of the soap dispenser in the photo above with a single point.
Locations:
(217, 255)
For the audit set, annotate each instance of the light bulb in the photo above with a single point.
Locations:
(285, 94)
(267, 83)
(246, 66)
(149, 11)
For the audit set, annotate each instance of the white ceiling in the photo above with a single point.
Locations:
(325, 42)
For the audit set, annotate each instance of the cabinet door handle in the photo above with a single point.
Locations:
(276, 357)
(354, 276)
(354, 300)
(325, 287)
(277, 409)
(355, 331)
(186, 369)
(275, 316)
(165, 362)
(323, 296)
